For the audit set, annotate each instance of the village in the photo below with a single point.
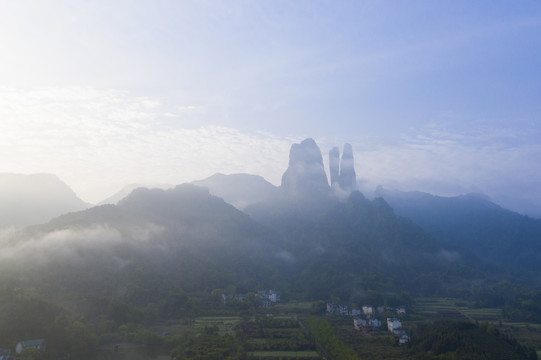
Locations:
(266, 298)
(36, 345)
(365, 319)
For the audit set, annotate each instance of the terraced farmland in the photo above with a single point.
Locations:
(452, 309)
(276, 337)
(224, 324)
(305, 355)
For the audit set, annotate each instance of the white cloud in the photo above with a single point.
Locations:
(450, 256)
(286, 256)
(74, 244)
(66, 244)
(100, 140)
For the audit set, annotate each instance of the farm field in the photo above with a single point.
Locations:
(281, 332)
(224, 324)
(293, 307)
(369, 346)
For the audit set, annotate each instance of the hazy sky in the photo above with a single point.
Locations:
(438, 96)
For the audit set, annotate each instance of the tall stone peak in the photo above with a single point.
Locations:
(348, 178)
(342, 170)
(305, 176)
(334, 166)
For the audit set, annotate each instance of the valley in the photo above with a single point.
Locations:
(309, 270)
(283, 332)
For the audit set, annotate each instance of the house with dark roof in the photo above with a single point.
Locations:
(4, 354)
(38, 344)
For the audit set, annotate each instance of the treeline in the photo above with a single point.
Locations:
(518, 302)
(464, 340)
(24, 316)
(525, 307)
(206, 346)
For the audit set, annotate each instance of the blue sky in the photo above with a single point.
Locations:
(438, 96)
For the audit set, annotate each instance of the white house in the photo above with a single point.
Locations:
(368, 310)
(274, 297)
(330, 308)
(355, 312)
(337, 309)
(358, 323)
(401, 310)
(38, 344)
(393, 324)
(404, 338)
(374, 322)
(4, 354)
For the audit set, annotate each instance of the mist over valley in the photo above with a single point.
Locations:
(171, 253)
(270, 180)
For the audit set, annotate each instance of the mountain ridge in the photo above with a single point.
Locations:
(473, 222)
(34, 199)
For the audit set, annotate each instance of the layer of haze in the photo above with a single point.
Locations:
(439, 96)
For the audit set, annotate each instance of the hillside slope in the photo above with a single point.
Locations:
(34, 199)
(475, 223)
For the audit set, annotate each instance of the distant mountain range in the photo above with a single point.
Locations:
(126, 190)
(34, 199)
(305, 237)
(150, 255)
(308, 236)
(473, 222)
(153, 240)
(240, 190)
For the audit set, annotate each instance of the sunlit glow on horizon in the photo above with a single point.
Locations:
(439, 97)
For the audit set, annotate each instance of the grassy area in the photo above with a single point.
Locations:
(224, 323)
(285, 354)
(280, 336)
(453, 309)
(275, 337)
(257, 341)
(369, 346)
(293, 307)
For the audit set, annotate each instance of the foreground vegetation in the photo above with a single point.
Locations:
(441, 328)
(179, 271)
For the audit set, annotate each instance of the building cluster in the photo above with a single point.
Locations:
(266, 297)
(365, 325)
(5, 354)
(365, 319)
(395, 326)
(38, 345)
(368, 310)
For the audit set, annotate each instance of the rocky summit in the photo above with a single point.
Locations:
(348, 179)
(334, 166)
(342, 170)
(305, 176)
